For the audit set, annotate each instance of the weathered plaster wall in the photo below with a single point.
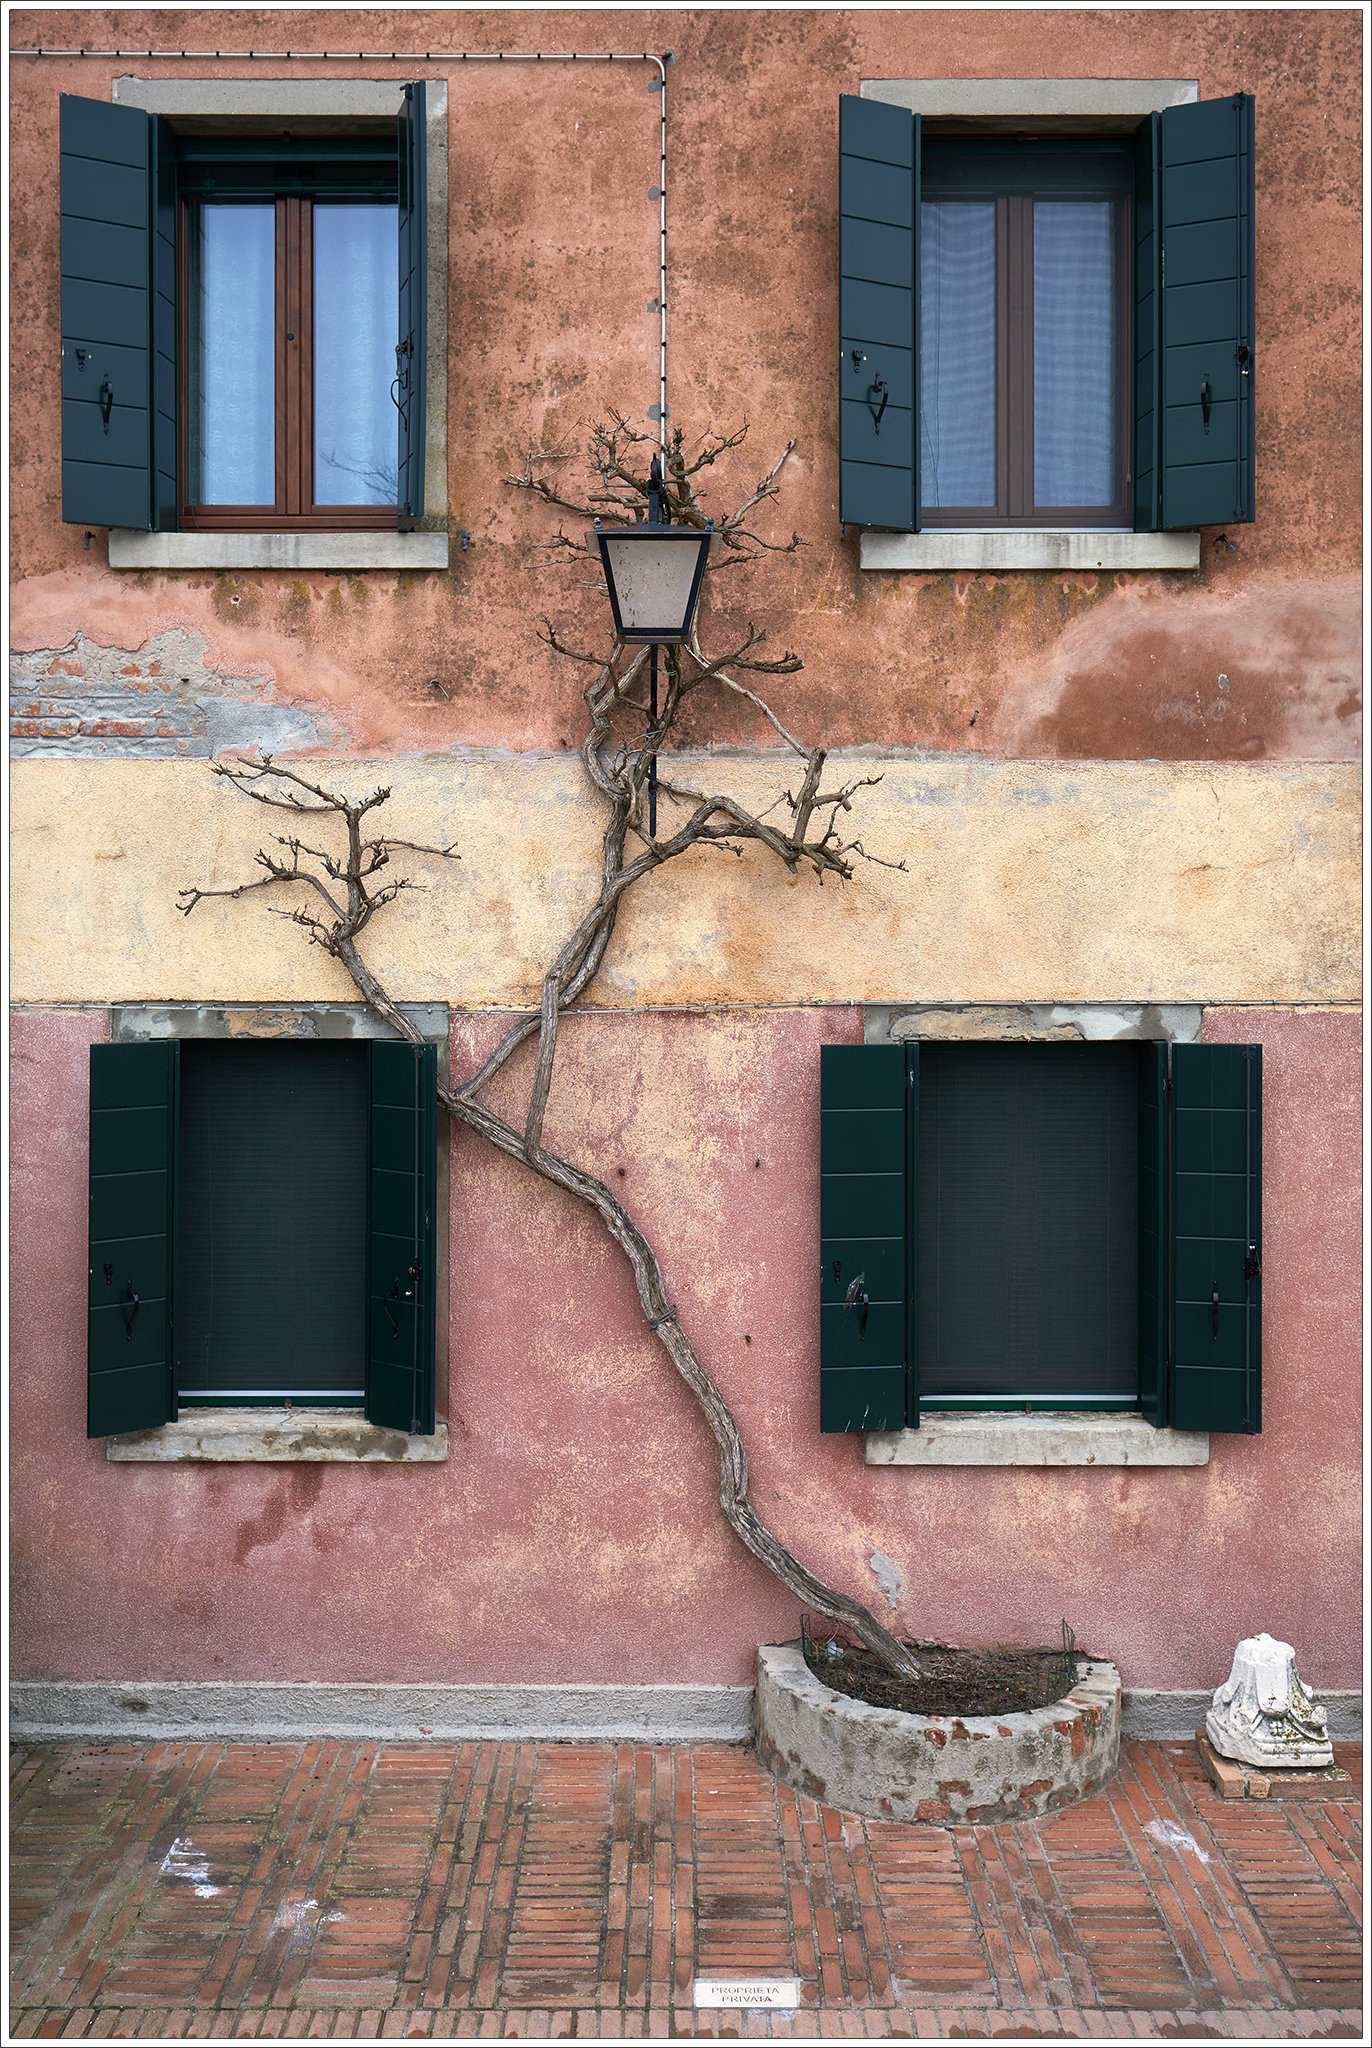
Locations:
(573, 1534)
(1022, 882)
(1119, 788)
(553, 256)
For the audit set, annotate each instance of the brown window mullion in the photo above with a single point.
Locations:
(289, 416)
(1004, 326)
(283, 367)
(305, 357)
(1020, 375)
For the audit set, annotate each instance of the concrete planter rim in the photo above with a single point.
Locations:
(945, 1769)
(1088, 1668)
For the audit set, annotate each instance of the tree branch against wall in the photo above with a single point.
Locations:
(806, 829)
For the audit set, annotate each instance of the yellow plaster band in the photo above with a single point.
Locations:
(1028, 882)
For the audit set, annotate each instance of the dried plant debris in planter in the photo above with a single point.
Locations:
(953, 1681)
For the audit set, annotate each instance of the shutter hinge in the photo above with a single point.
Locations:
(1252, 1265)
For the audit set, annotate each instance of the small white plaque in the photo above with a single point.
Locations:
(775, 1994)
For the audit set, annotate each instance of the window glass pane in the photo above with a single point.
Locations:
(232, 410)
(271, 1218)
(957, 342)
(1028, 1219)
(356, 425)
(1076, 352)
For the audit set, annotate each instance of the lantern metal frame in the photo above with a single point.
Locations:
(655, 529)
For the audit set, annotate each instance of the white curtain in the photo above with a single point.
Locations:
(1076, 352)
(233, 357)
(356, 425)
(957, 351)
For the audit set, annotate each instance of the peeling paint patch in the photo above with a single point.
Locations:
(184, 1861)
(889, 1577)
(160, 701)
(1171, 1836)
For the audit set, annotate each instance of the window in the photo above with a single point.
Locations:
(288, 338)
(1066, 1225)
(1026, 1224)
(248, 322)
(1045, 330)
(1023, 345)
(262, 1228)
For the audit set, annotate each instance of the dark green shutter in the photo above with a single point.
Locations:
(129, 1376)
(1195, 400)
(402, 1235)
(1153, 1233)
(878, 315)
(414, 288)
(118, 317)
(867, 1102)
(1147, 352)
(1216, 1237)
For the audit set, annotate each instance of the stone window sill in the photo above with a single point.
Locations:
(277, 1436)
(1069, 1437)
(1029, 548)
(130, 549)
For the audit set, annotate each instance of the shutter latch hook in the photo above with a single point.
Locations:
(857, 1297)
(106, 396)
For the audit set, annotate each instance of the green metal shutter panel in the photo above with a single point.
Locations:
(1153, 1234)
(1216, 1237)
(1203, 434)
(878, 315)
(865, 1145)
(402, 1236)
(1147, 351)
(165, 400)
(129, 1375)
(414, 288)
(107, 313)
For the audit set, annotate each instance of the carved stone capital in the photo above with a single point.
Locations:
(1263, 1715)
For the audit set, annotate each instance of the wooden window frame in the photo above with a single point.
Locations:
(294, 509)
(1014, 507)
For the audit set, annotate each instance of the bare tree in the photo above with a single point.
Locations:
(805, 829)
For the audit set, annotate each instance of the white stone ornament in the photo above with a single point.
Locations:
(1263, 1715)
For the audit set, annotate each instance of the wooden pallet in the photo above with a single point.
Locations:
(1245, 1781)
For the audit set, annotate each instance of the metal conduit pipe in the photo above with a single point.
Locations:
(658, 85)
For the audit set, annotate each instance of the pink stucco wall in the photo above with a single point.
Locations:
(573, 1533)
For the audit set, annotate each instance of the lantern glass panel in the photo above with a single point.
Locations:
(653, 580)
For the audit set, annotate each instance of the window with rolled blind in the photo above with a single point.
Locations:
(1046, 330)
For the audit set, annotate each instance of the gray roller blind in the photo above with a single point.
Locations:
(1028, 1220)
(271, 1267)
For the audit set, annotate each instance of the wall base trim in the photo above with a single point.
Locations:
(277, 1710)
(274, 1710)
(1175, 1716)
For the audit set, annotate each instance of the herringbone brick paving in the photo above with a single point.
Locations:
(547, 1890)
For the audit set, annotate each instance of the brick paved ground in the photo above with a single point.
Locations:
(552, 1890)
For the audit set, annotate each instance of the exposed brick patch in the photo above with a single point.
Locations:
(161, 701)
(572, 1891)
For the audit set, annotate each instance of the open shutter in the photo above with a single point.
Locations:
(867, 1099)
(1216, 1237)
(112, 315)
(402, 1235)
(129, 1375)
(878, 315)
(1198, 262)
(1147, 350)
(1153, 1233)
(414, 289)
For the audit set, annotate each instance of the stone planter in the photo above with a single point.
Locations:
(935, 1767)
